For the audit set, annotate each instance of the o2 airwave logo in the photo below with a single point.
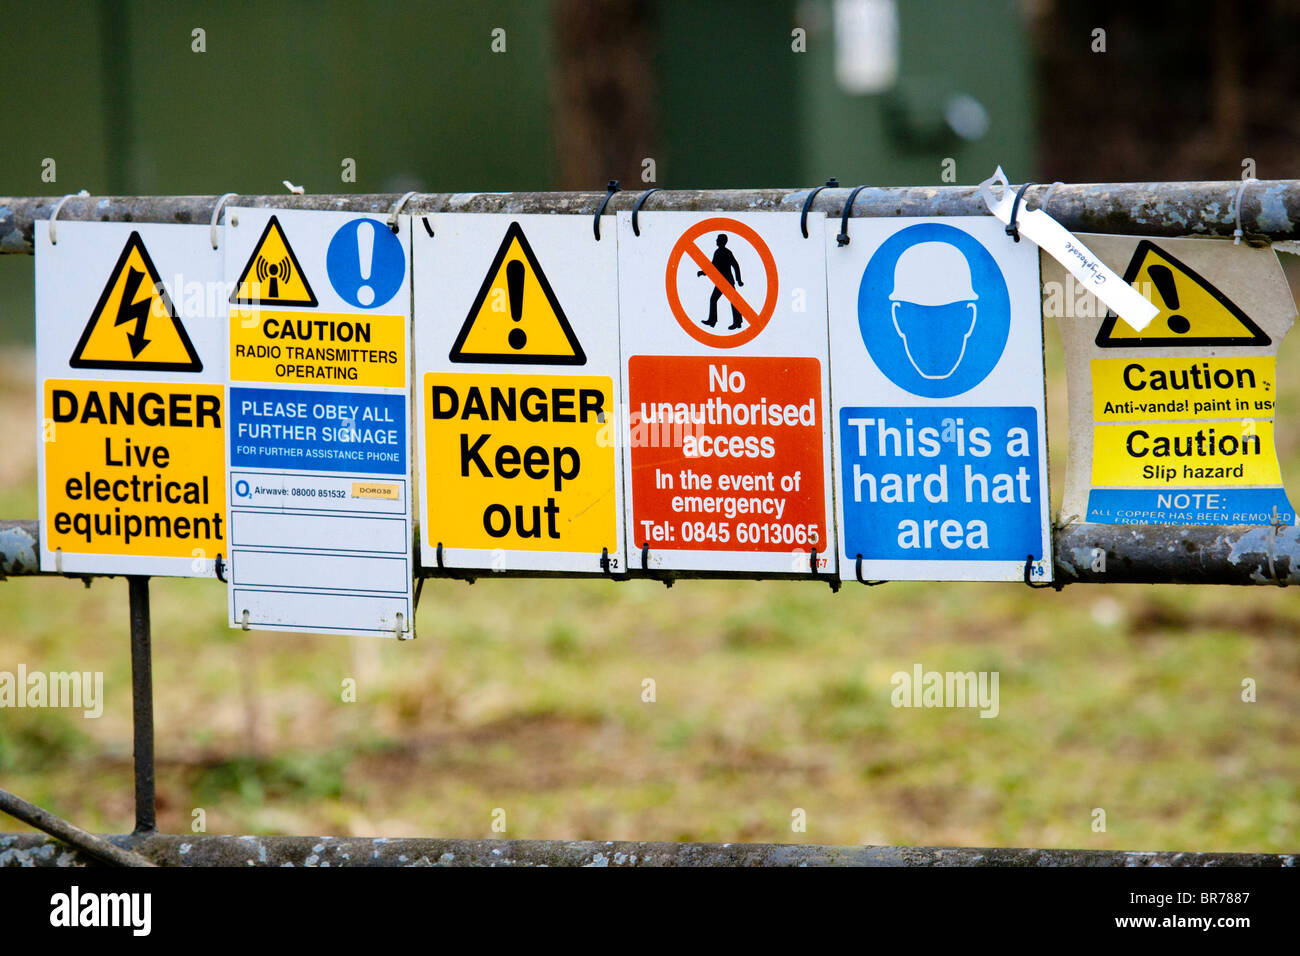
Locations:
(934, 310)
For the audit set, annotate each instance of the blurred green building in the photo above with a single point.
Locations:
(123, 97)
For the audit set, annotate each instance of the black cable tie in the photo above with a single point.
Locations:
(861, 579)
(1029, 563)
(1013, 227)
(220, 568)
(832, 183)
(604, 561)
(843, 238)
(610, 188)
(645, 556)
(636, 229)
(440, 564)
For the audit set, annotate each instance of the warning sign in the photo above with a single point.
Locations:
(1175, 425)
(723, 326)
(134, 325)
(521, 464)
(130, 367)
(941, 441)
(516, 318)
(273, 275)
(321, 511)
(1192, 311)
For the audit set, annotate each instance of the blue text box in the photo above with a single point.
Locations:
(941, 484)
(317, 431)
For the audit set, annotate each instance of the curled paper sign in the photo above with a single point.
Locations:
(1063, 246)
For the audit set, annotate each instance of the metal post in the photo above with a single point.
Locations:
(142, 703)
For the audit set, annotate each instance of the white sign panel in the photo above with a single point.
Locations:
(517, 364)
(130, 373)
(723, 320)
(940, 430)
(319, 479)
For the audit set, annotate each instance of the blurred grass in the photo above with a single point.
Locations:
(527, 696)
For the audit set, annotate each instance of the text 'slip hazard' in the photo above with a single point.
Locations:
(755, 320)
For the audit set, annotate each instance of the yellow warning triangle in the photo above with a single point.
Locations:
(1192, 311)
(273, 275)
(515, 318)
(134, 325)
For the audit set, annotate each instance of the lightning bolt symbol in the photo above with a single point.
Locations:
(139, 311)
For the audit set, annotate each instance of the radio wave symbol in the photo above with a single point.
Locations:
(270, 273)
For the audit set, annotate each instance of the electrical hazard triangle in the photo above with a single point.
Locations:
(1192, 311)
(515, 318)
(134, 325)
(273, 275)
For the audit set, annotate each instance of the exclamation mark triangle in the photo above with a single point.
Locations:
(1192, 311)
(516, 318)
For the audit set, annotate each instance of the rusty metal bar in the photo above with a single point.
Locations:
(274, 851)
(1165, 554)
(95, 847)
(1084, 554)
(1270, 209)
(142, 704)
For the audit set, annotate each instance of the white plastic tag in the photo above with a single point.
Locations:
(1063, 246)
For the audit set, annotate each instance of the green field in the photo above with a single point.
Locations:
(527, 696)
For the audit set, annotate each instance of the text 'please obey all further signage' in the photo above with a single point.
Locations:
(517, 364)
(130, 369)
(722, 320)
(1174, 424)
(939, 393)
(319, 485)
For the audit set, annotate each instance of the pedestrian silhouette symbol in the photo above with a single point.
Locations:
(727, 265)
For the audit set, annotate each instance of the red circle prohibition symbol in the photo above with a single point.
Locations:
(756, 321)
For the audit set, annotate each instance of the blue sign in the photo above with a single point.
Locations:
(933, 310)
(941, 484)
(366, 263)
(1189, 506)
(295, 430)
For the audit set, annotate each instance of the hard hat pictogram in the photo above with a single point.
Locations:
(932, 273)
(134, 324)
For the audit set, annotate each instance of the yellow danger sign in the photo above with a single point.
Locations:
(516, 318)
(134, 324)
(520, 463)
(1192, 311)
(134, 468)
(273, 275)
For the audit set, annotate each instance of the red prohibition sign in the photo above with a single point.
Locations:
(755, 321)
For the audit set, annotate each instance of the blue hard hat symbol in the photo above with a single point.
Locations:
(933, 310)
